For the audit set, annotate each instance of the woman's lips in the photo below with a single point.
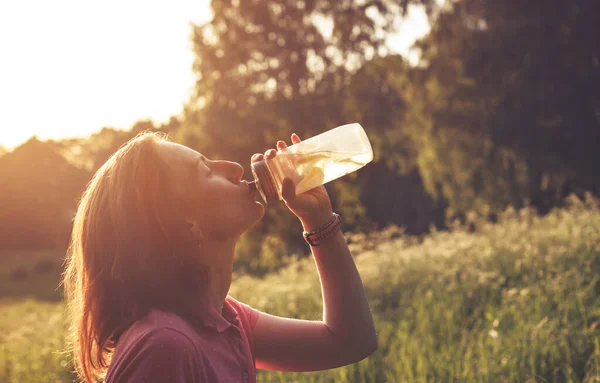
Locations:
(251, 188)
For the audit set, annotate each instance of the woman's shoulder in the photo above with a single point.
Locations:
(158, 321)
(168, 340)
(157, 327)
(159, 346)
(247, 314)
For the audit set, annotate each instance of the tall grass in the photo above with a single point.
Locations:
(515, 301)
(32, 339)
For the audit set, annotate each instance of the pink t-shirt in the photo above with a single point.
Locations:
(162, 347)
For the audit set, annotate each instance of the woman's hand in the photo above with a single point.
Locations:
(312, 207)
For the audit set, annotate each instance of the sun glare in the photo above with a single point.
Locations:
(68, 68)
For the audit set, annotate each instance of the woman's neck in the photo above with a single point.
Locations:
(220, 268)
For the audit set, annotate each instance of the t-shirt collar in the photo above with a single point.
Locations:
(217, 321)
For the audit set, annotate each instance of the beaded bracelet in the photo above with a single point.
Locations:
(316, 237)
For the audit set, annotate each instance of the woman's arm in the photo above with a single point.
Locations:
(346, 333)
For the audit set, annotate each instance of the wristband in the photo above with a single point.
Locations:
(316, 237)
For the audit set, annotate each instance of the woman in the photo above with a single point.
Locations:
(150, 266)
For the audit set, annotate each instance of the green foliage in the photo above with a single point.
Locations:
(514, 301)
(90, 153)
(32, 337)
(376, 97)
(41, 182)
(280, 49)
(37, 196)
(502, 108)
(267, 69)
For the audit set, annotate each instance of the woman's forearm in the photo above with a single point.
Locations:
(346, 309)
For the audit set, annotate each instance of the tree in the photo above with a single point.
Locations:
(502, 108)
(38, 196)
(266, 69)
(256, 62)
(92, 152)
(391, 189)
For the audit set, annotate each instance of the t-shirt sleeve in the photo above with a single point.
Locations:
(248, 317)
(165, 355)
(249, 314)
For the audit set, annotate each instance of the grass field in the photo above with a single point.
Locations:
(515, 301)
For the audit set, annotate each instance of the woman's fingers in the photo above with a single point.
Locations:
(269, 154)
(256, 157)
(288, 190)
(295, 138)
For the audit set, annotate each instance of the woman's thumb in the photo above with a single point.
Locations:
(288, 190)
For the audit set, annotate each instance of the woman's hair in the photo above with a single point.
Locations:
(130, 252)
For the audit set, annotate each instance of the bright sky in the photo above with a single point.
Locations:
(70, 67)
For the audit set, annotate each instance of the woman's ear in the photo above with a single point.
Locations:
(195, 231)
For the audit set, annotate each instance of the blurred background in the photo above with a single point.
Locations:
(484, 118)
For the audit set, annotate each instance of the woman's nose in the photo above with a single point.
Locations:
(232, 170)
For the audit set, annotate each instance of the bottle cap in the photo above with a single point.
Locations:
(264, 181)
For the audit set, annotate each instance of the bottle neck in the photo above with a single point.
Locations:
(252, 186)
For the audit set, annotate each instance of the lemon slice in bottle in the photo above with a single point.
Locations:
(312, 179)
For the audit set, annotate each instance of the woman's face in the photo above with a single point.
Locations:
(219, 202)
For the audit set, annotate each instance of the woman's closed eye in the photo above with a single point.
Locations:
(202, 160)
(227, 169)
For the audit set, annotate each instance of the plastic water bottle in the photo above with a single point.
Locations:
(313, 162)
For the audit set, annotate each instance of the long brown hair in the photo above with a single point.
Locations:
(130, 252)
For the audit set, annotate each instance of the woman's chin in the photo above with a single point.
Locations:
(254, 214)
(261, 208)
